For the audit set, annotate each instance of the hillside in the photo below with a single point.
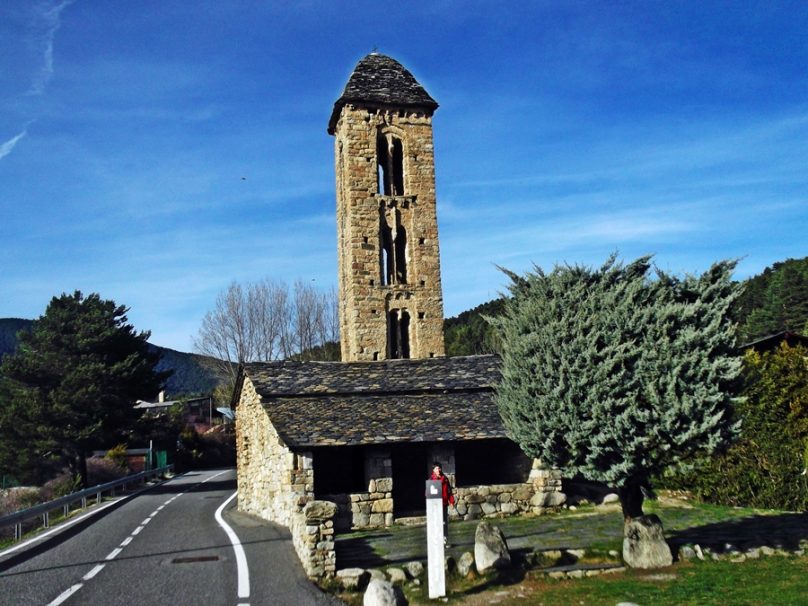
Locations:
(190, 374)
(773, 301)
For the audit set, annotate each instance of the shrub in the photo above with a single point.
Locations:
(101, 470)
(59, 486)
(15, 499)
(766, 466)
(117, 455)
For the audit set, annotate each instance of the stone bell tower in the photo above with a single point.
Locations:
(390, 298)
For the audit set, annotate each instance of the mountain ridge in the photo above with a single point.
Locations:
(191, 373)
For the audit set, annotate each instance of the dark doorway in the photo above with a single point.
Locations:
(410, 471)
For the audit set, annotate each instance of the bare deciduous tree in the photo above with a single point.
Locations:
(264, 321)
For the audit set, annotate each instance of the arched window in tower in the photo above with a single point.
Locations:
(398, 334)
(393, 250)
(390, 165)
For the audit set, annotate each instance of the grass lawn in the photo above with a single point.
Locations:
(770, 580)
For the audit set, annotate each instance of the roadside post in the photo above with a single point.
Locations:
(434, 539)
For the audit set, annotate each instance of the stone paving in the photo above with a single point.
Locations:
(592, 528)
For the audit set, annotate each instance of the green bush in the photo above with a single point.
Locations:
(117, 454)
(766, 466)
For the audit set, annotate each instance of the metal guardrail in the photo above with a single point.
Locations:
(44, 509)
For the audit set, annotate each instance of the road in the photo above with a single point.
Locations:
(163, 546)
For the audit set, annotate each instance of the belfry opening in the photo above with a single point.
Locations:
(390, 165)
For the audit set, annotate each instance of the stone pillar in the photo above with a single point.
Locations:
(379, 476)
(313, 539)
(547, 486)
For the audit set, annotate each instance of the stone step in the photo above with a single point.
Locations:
(411, 521)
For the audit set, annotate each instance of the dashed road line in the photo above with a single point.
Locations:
(114, 553)
(66, 594)
(93, 572)
(241, 559)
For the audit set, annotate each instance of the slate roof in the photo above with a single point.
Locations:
(380, 80)
(350, 403)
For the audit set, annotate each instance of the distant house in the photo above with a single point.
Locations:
(197, 412)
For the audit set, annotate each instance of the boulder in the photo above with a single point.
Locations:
(490, 548)
(414, 569)
(644, 544)
(612, 497)
(353, 578)
(377, 574)
(319, 511)
(397, 576)
(382, 593)
(465, 564)
(548, 499)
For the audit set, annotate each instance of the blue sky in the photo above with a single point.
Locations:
(156, 151)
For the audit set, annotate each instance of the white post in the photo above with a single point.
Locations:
(434, 539)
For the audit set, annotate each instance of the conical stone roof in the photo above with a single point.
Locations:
(379, 80)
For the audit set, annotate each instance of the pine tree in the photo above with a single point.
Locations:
(612, 376)
(774, 301)
(74, 380)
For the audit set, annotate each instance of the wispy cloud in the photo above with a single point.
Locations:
(8, 146)
(50, 18)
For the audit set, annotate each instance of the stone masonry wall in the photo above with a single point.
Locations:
(374, 507)
(364, 300)
(541, 492)
(277, 484)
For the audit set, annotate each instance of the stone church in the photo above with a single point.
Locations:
(362, 433)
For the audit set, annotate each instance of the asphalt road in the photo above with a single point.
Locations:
(163, 546)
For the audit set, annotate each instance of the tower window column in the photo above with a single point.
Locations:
(393, 249)
(398, 333)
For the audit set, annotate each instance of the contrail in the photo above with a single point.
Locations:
(52, 23)
(5, 148)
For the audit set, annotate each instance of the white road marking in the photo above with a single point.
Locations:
(241, 559)
(65, 594)
(113, 554)
(93, 572)
(58, 528)
(242, 569)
